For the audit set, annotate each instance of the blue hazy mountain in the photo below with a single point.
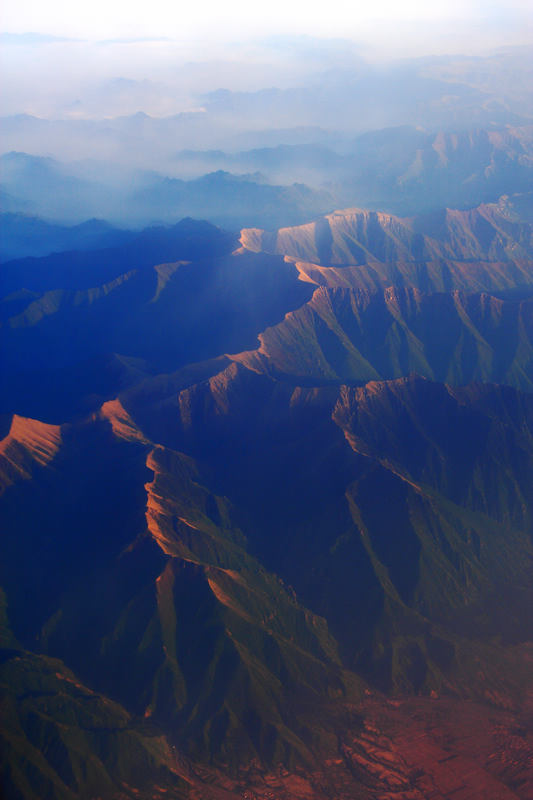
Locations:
(22, 235)
(52, 190)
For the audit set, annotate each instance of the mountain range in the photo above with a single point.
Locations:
(66, 195)
(404, 170)
(267, 511)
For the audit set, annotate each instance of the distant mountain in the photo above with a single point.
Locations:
(72, 193)
(311, 161)
(412, 171)
(22, 236)
(44, 187)
(505, 73)
(186, 240)
(398, 168)
(299, 99)
(369, 99)
(231, 200)
(404, 170)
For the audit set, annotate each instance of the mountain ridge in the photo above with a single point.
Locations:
(263, 618)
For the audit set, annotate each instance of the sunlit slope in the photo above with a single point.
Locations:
(356, 335)
(489, 232)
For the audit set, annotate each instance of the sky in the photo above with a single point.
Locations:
(212, 20)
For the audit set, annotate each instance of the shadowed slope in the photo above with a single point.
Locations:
(158, 319)
(186, 628)
(310, 498)
(191, 629)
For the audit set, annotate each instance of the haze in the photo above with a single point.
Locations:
(203, 46)
(238, 18)
(129, 100)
